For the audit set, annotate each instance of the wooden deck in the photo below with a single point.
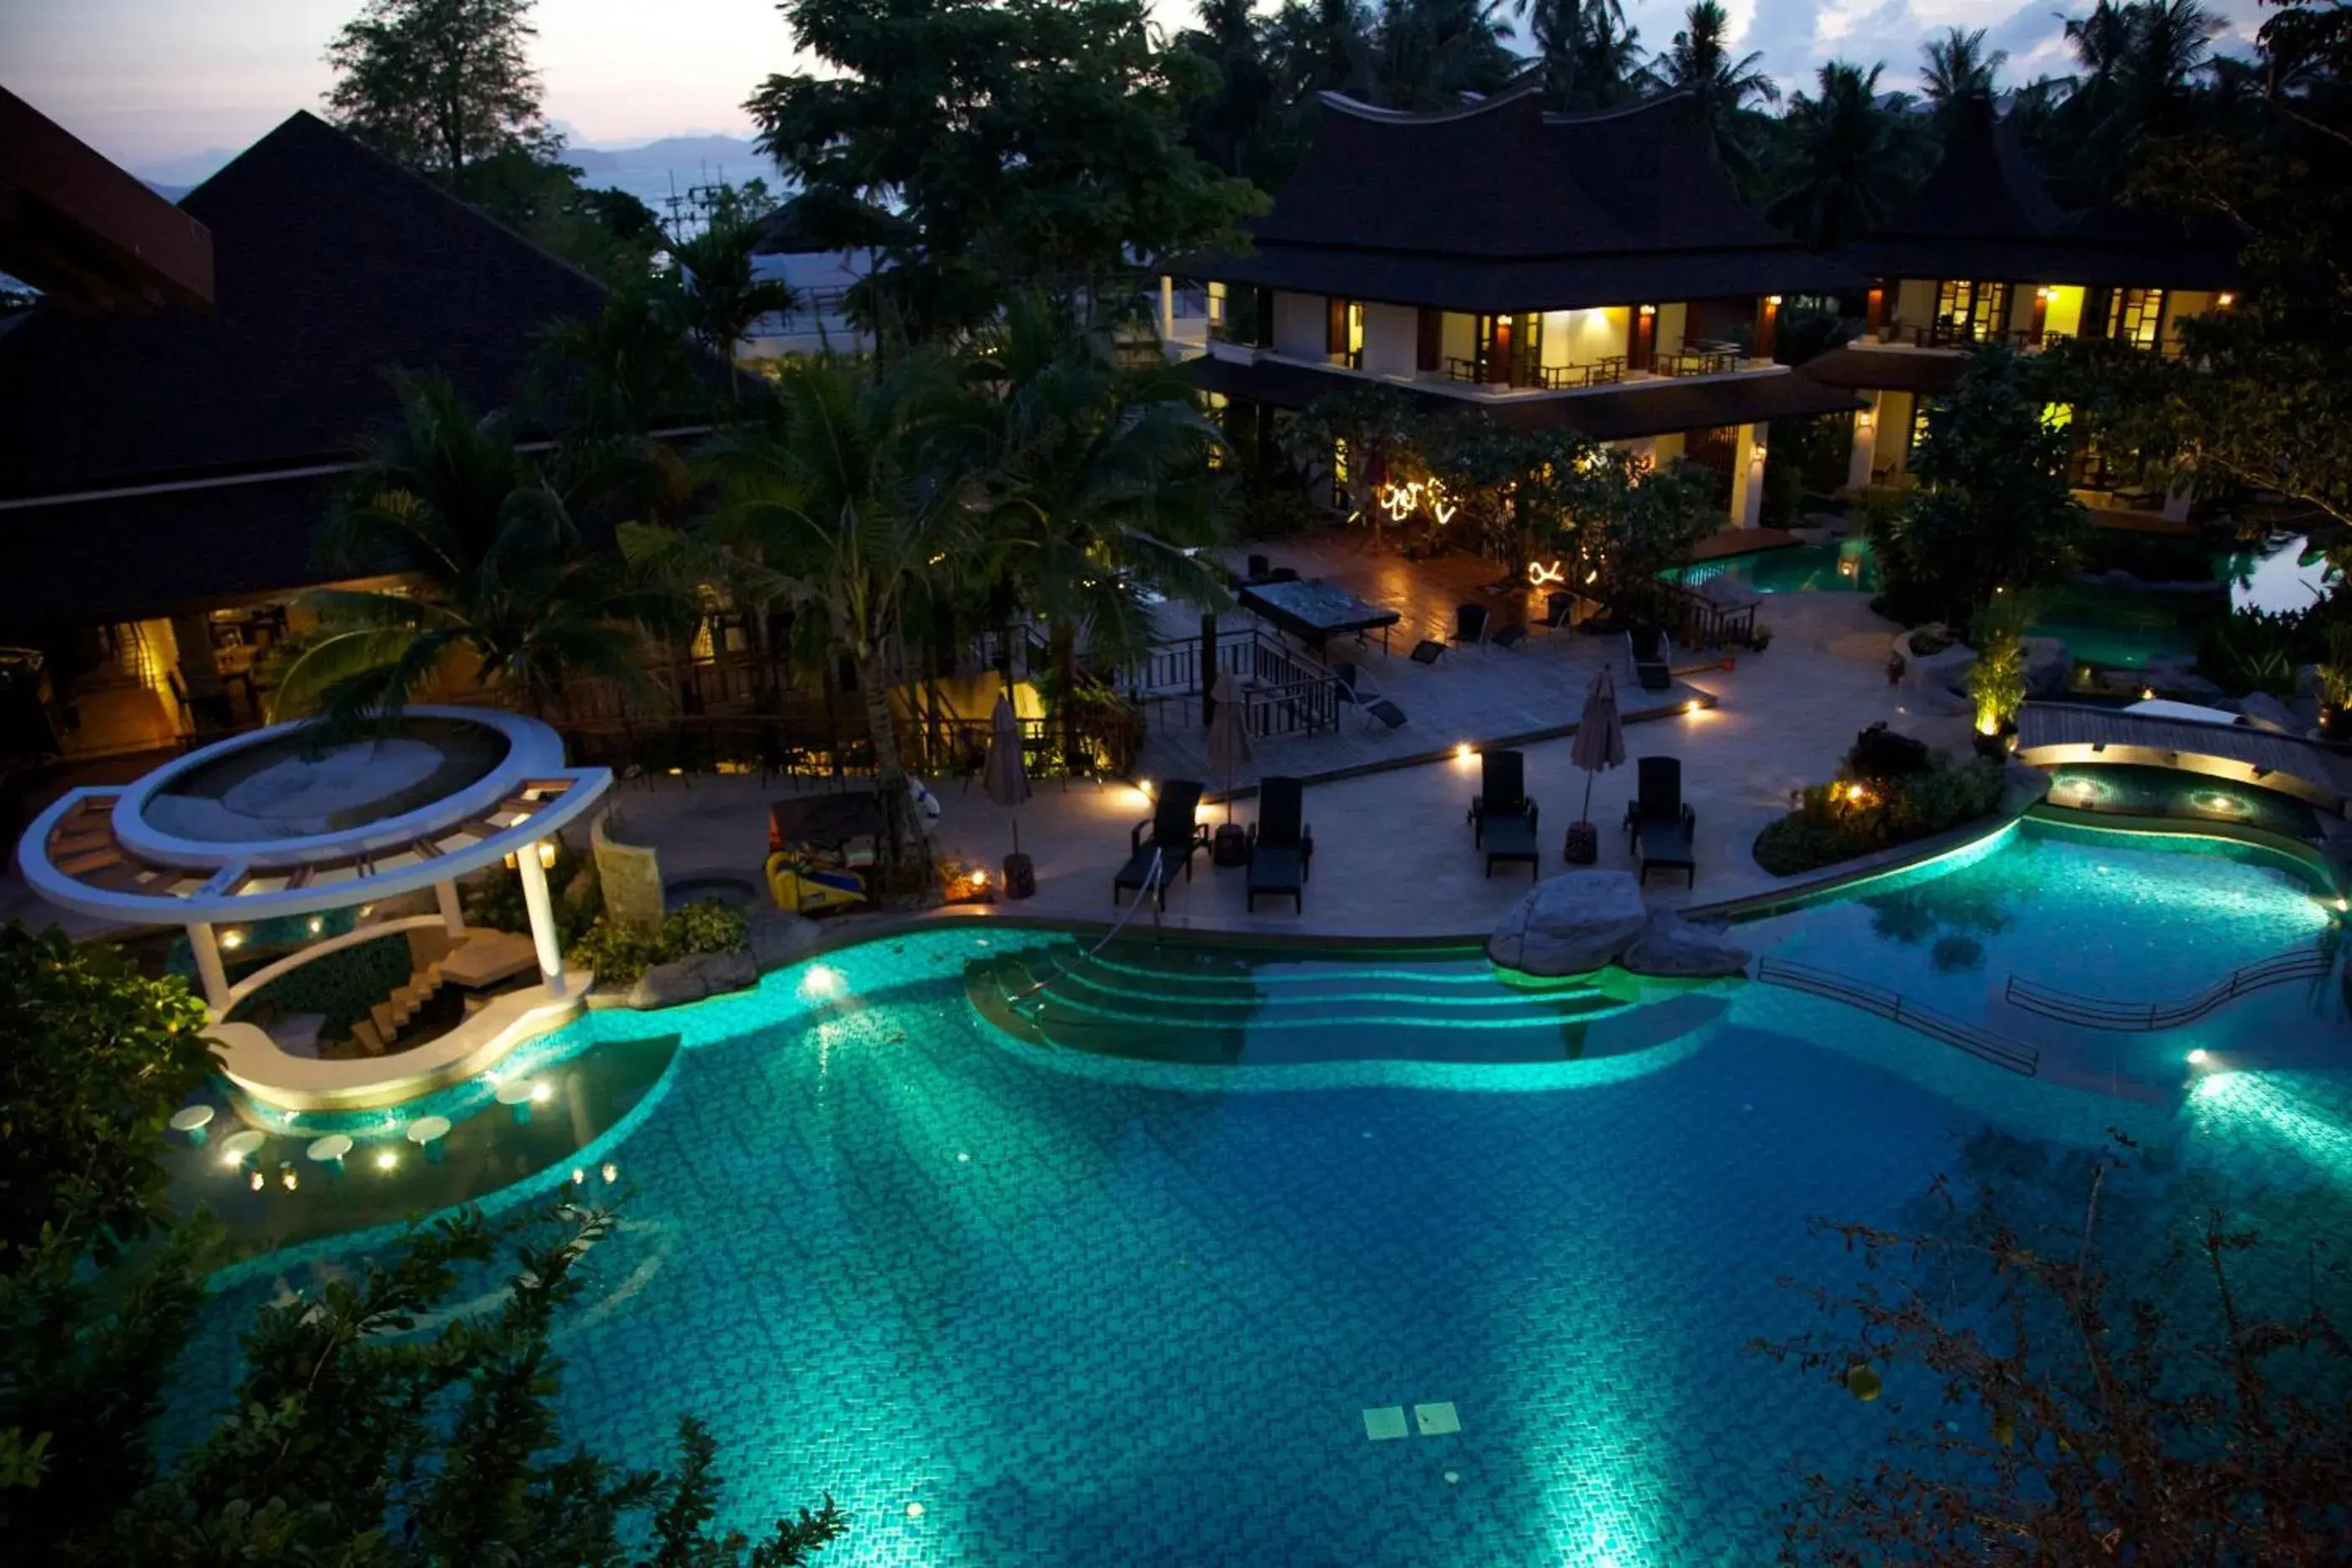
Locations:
(2054, 733)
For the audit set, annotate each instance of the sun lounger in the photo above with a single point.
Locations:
(1469, 625)
(1660, 828)
(1281, 846)
(1502, 817)
(1648, 646)
(1427, 652)
(1170, 835)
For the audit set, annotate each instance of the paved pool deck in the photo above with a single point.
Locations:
(1393, 850)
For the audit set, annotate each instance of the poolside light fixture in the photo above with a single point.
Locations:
(317, 924)
(388, 1160)
(233, 1159)
(540, 1093)
(914, 1510)
(2147, 694)
(256, 1182)
(822, 979)
(1463, 753)
(286, 1176)
(2225, 298)
(547, 854)
(1771, 299)
(232, 939)
(510, 861)
(2198, 1056)
(2344, 906)
(610, 1173)
(579, 1177)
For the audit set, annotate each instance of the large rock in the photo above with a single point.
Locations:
(1941, 671)
(2269, 713)
(2049, 673)
(1729, 593)
(1670, 945)
(1571, 924)
(669, 984)
(724, 972)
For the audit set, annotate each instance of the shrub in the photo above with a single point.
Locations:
(496, 900)
(2256, 650)
(1858, 813)
(620, 955)
(1996, 683)
(1880, 754)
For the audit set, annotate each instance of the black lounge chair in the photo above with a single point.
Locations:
(1427, 651)
(1281, 845)
(1469, 625)
(1559, 608)
(1258, 568)
(1502, 817)
(1170, 833)
(1660, 828)
(1354, 693)
(1648, 646)
(1509, 638)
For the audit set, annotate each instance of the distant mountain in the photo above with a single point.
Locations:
(675, 163)
(171, 194)
(187, 171)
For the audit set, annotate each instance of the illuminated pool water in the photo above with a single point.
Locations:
(2169, 792)
(1088, 1308)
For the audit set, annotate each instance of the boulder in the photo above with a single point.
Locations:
(667, 984)
(780, 937)
(723, 972)
(1933, 672)
(1571, 924)
(1670, 945)
(1729, 593)
(2269, 713)
(2049, 673)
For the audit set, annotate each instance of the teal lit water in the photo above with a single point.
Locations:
(1088, 1308)
(2113, 629)
(2167, 792)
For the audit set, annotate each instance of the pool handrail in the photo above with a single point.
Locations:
(2309, 963)
(1142, 897)
(1896, 1008)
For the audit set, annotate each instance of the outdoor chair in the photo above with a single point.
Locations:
(1557, 610)
(1281, 845)
(1648, 646)
(1660, 826)
(1354, 693)
(1469, 625)
(1502, 817)
(1427, 651)
(1508, 639)
(1170, 833)
(1258, 568)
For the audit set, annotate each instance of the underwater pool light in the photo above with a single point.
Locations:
(822, 979)
(2198, 1056)
(387, 1160)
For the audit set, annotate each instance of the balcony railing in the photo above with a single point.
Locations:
(1606, 371)
(1701, 358)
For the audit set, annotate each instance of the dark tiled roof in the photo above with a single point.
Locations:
(1983, 214)
(1652, 408)
(333, 264)
(1887, 370)
(825, 221)
(1500, 206)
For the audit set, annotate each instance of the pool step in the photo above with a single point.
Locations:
(1200, 1003)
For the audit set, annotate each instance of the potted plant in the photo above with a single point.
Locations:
(1996, 683)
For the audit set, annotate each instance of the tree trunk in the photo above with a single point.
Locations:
(899, 825)
(1065, 698)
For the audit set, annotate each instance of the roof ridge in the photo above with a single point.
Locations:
(1520, 87)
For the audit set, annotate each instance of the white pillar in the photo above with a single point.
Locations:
(453, 913)
(1866, 443)
(209, 970)
(2177, 502)
(1748, 477)
(542, 916)
(1167, 309)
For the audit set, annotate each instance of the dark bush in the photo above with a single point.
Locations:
(1880, 754)
(1856, 814)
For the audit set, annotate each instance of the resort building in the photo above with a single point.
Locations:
(1594, 272)
(164, 475)
(799, 248)
(1983, 255)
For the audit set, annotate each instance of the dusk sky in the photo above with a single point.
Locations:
(149, 81)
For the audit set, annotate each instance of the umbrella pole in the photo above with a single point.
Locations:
(1016, 833)
(1586, 815)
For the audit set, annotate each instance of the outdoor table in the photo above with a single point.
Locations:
(1319, 611)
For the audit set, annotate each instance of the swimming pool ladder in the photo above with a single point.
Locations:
(1896, 1008)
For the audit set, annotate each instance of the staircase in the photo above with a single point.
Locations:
(377, 1031)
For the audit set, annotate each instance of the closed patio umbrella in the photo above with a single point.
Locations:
(1005, 778)
(1229, 741)
(1599, 744)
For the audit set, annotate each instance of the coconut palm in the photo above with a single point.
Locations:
(504, 588)
(1100, 479)
(1846, 161)
(1321, 46)
(1958, 68)
(1699, 62)
(1430, 54)
(850, 507)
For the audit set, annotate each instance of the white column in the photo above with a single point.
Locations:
(1866, 443)
(2177, 502)
(208, 967)
(1167, 309)
(1748, 477)
(542, 916)
(453, 913)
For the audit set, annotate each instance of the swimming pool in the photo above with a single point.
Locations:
(1089, 1307)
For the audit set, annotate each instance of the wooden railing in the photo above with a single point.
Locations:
(1897, 1009)
(2105, 1013)
(1689, 618)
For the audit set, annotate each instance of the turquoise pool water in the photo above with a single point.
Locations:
(2113, 629)
(1090, 1308)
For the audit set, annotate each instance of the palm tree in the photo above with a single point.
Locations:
(1846, 160)
(1430, 54)
(714, 294)
(504, 579)
(2139, 62)
(1959, 69)
(613, 374)
(850, 507)
(1321, 46)
(1699, 62)
(1099, 479)
(1236, 127)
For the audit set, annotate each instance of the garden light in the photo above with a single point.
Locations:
(547, 854)
(387, 1160)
